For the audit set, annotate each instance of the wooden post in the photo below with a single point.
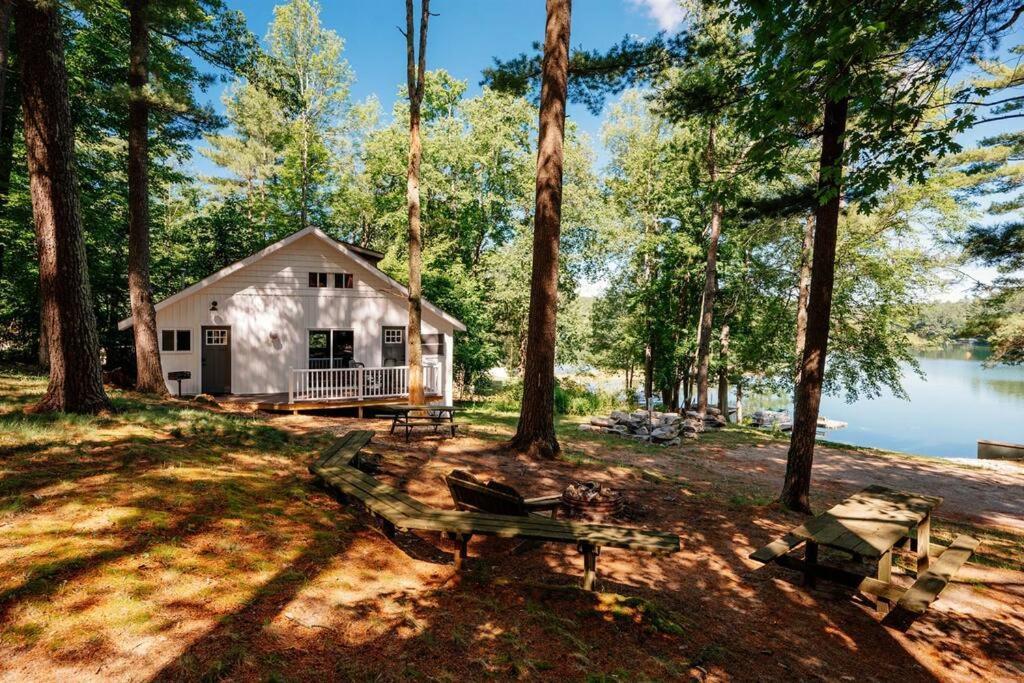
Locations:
(589, 565)
(885, 576)
(362, 384)
(461, 549)
(810, 563)
(924, 533)
(291, 385)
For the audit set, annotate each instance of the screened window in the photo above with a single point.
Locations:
(343, 280)
(330, 348)
(175, 340)
(318, 279)
(393, 336)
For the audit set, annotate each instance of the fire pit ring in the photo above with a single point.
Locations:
(583, 497)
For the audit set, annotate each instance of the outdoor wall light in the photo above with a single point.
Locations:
(213, 305)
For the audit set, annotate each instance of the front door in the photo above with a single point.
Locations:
(216, 360)
(392, 351)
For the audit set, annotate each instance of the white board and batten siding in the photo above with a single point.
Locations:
(270, 308)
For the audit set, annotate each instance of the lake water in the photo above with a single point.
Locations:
(959, 401)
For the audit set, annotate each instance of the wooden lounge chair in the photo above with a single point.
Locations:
(471, 494)
(397, 511)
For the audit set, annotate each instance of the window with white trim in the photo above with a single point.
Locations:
(318, 279)
(343, 281)
(394, 335)
(175, 341)
(216, 337)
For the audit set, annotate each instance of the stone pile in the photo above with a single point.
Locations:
(713, 418)
(664, 429)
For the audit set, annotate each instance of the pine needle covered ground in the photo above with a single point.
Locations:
(177, 541)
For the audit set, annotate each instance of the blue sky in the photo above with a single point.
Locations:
(464, 37)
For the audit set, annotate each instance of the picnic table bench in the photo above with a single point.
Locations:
(435, 416)
(397, 511)
(872, 524)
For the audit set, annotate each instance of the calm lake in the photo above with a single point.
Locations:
(957, 402)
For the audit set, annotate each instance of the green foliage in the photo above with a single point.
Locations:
(571, 398)
(96, 37)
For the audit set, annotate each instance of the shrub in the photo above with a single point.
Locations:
(571, 398)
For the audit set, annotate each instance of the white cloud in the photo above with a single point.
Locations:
(668, 14)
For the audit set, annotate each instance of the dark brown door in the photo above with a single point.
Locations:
(392, 351)
(216, 360)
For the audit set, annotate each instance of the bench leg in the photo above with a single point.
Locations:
(885, 576)
(461, 549)
(924, 533)
(387, 527)
(589, 566)
(810, 563)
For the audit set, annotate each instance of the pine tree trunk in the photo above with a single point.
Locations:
(710, 284)
(6, 117)
(535, 433)
(648, 368)
(723, 373)
(304, 180)
(804, 287)
(148, 373)
(416, 72)
(796, 489)
(76, 383)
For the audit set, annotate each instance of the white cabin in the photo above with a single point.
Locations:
(309, 319)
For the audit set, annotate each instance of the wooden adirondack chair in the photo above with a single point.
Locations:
(469, 493)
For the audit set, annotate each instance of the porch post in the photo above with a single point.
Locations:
(291, 385)
(362, 375)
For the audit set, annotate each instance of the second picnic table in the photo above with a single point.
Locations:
(436, 416)
(871, 524)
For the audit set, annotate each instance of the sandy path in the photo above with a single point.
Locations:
(986, 495)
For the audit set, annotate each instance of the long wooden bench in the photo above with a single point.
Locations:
(397, 511)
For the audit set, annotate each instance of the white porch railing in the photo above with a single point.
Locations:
(357, 384)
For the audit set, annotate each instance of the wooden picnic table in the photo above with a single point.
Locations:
(872, 524)
(436, 416)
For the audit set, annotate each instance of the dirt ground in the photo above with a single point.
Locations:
(201, 553)
(741, 620)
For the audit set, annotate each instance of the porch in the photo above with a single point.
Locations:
(335, 388)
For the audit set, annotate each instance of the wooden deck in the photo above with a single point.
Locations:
(279, 402)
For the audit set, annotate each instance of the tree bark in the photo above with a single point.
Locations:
(5, 115)
(648, 366)
(148, 372)
(723, 373)
(796, 488)
(8, 108)
(415, 73)
(804, 287)
(710, 283)
(535, 434)
(76, 383)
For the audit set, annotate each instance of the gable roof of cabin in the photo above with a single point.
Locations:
(362, 256)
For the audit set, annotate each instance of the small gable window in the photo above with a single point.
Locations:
(318, 279)
(175, 341)
(343, 280)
